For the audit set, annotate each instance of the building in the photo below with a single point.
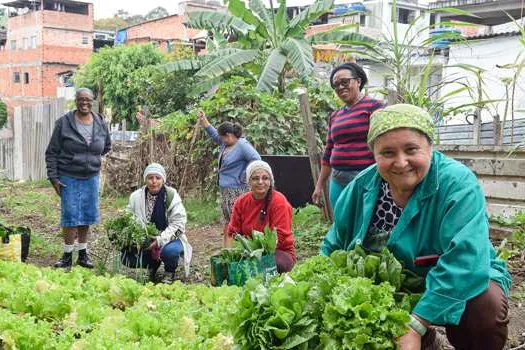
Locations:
(46, 41)
(167, 32)
(103, 38)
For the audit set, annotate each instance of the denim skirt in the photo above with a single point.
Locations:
(79, 201)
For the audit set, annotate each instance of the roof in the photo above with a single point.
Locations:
(30, 3)
(151, 20)
(492, 35)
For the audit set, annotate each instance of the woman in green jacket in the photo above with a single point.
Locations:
(429, 210)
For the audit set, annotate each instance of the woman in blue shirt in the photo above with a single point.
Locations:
(235, 155)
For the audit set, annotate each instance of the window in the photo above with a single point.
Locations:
(362, 20)
(85, 40)
(26, 78)
(25, 44)
(405, 16)
(12, 45)
(32, 43)
(16, 77)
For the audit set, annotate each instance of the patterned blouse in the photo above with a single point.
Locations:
(386, 216)
(150, 204)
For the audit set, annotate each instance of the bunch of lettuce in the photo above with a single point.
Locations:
(361, 315)
(321, 304)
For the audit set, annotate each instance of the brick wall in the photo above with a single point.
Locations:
(59, 38)
(167, 28)
(50, 78)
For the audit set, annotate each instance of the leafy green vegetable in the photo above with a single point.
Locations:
(126, 231)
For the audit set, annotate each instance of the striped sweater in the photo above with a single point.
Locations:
(346, 147)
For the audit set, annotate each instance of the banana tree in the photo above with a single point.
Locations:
(267, 44)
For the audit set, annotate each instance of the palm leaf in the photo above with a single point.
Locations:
(225, 64)
(274, 66)
(238, 9)
(299, 54)
(342, 37)
(258, 8)
(281, 19)
(183, 65)
(453, 11)
(213, 21)
(305, 18)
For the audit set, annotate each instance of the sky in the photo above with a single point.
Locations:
(107, 8)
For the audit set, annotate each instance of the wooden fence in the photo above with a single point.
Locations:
(22, 155)
(463, 134)
(6, 158)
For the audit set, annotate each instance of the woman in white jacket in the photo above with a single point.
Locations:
(161, 205)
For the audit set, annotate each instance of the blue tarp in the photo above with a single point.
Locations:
(121, 37)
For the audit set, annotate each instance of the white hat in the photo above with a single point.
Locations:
(155, 168)
(259, 165)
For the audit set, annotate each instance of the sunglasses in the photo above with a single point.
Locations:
(345, 82)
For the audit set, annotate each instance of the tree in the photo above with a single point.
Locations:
(114, 73)
(3, 114)
(110, 23)
(157, 12)
(267, 44)
(135, 19)
(162, 93)
(123, 14)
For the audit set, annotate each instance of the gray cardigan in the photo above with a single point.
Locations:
(69, 154)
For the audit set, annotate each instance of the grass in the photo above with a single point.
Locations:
(201, 213)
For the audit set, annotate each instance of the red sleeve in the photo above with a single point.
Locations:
(235, 224)
(280, 215)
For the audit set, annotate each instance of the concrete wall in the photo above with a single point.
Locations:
(500, 171)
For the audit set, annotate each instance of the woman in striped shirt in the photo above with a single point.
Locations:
(346, 152)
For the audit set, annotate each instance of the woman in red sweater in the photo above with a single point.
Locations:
(264, 206)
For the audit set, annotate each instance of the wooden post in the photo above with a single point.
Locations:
(392, 97)
(123, 133)
(476, 131)
(311, 141)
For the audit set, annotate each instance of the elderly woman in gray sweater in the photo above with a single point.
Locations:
(73, 159)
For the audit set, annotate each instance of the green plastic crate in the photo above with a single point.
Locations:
(238, 272)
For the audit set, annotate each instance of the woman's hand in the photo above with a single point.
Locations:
(203, 121)
(57, 185)
(316, 196)
(153, 245)
(410, 341)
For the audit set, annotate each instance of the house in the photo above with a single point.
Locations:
(498, 55)
(45, 39)
(372, 18)
(103, 38)
(166, 32)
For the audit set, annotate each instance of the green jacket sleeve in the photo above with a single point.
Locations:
(462, 271)
(339, 236)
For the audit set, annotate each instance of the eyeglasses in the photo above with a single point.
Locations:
(257, 179)
(345, 82)
(84, 100)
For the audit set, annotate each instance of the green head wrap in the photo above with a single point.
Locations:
(399, 116)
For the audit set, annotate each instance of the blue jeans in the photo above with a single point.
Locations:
(338, 184)
(170, 254)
